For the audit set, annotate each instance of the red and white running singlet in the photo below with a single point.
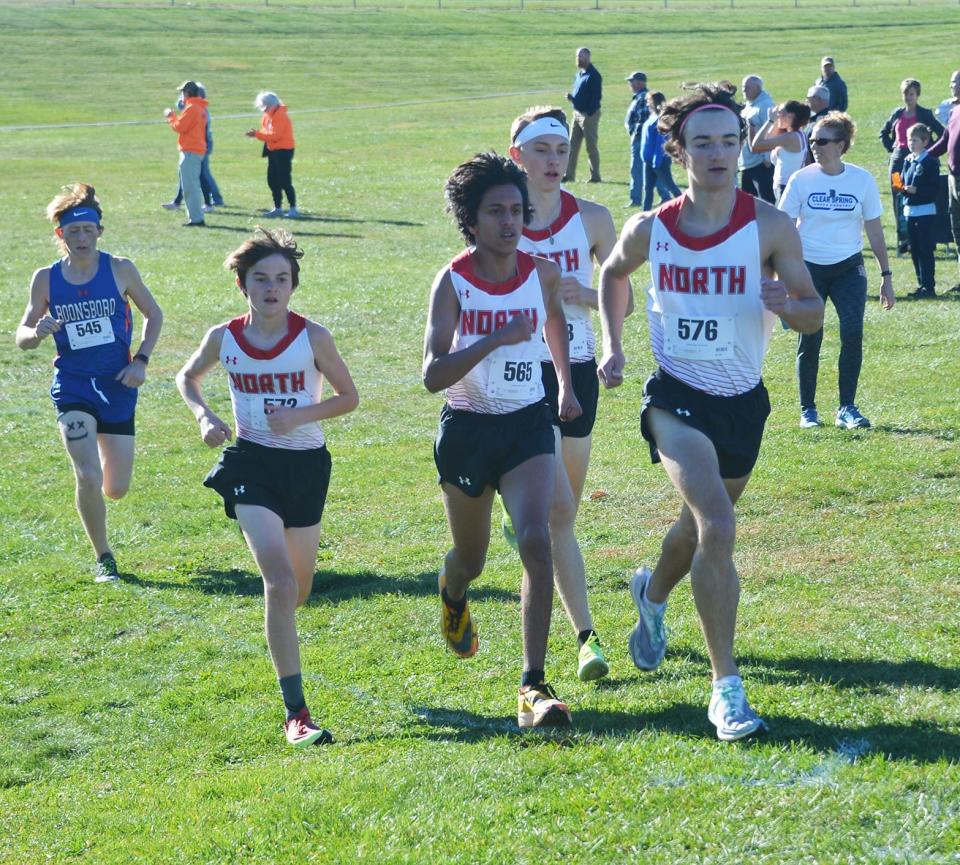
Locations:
(264, 379)
(708, 325)
(565, 243)
(508, 378)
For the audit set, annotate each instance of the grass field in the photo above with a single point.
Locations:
(141, 719)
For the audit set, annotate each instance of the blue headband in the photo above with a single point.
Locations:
(79, 214)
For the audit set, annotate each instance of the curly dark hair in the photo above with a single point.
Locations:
(676, 111)
(264, 243)
(470, 181)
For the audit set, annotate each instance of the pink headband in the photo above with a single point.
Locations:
(709, 106)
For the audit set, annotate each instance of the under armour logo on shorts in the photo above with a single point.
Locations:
(464, 481)
(683, 411)
(239, 491)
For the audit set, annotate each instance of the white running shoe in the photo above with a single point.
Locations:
(648, 640)
(273, 214)
(730, 712)
(170, 205)
(293, 213)
(208, 208)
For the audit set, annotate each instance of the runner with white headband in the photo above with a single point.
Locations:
(575, 234)
(724, 266)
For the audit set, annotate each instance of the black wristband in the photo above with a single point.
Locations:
(144, 359)
(886, 273)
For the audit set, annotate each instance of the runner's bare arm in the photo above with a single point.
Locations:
(441, 368)
(791, 295)
(128, 278)
(629, 253)
(602, 236)
(213, 430)
(37, 323)
(557, 338)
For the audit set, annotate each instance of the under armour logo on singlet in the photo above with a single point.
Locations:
(230, 360)
(466, 292)
(663, 244)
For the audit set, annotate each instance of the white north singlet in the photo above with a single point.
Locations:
(508, 378)
(708, 325)
(285, 375)
(565, 243)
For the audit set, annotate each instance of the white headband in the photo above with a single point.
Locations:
(541, 126)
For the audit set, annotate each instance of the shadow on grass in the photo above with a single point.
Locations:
(316, 217)
(917, 741)
(245, 229)
(930, 432)
(328, 586)
(851, 673)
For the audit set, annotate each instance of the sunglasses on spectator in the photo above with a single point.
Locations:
(822, 142)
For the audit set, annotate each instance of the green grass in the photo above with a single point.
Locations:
(140, 720)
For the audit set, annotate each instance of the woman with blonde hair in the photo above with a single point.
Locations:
(834, 203)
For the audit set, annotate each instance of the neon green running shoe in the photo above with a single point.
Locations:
(506, 524)
(593, 665)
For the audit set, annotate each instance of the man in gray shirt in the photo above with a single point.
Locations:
(756, 174)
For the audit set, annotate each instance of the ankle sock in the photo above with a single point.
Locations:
(583, 636)
(531, 677)
(459, 606)
(291, 687)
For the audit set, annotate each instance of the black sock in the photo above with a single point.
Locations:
(459, 606)
(583, 636)
(105, 556)
(531, 677)
(292, 689)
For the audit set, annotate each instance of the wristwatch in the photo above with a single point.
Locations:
(143, 358)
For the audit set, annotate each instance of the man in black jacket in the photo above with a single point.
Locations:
(585, 96)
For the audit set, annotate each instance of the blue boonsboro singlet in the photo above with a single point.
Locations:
(94, 339)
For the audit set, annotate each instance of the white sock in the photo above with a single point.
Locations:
(725, 681)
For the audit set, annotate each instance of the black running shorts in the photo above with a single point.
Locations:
(734, 424)
(293, 484)
(473, 451)
(586, 387)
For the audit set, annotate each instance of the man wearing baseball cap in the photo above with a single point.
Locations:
(191, 129)
(637, 113)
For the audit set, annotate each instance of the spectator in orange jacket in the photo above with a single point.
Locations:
(276, 133)
(191, 129)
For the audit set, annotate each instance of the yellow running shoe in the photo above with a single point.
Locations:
(539, 706)
(457, 627)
